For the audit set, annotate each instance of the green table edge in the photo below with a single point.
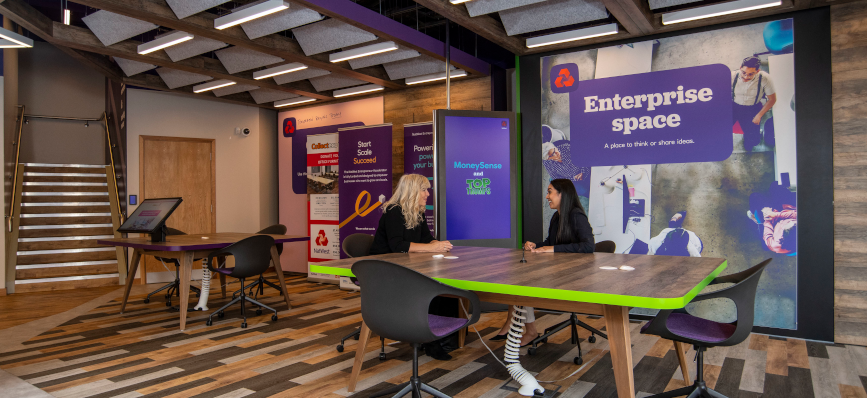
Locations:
(557, 294)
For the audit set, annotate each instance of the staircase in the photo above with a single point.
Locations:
(64, 210)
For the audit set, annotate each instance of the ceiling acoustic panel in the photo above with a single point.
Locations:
(378, 59)
(264, 95)
(185, 8)
(482, 7)
(238, 59)
(177, 78)
(656, 4)
(111, 28)
(294, 17)
(130, 67)
(333, 82)
(421, 65)
(300, 75)
(234, 89)
(190, 48)
(329, 35)
(551, 14)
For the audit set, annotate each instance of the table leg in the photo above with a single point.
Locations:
(360, 349)
(186, 274)
(275, 258)
(133, 266)
(617, 325)
(462, 334)
(681, 358)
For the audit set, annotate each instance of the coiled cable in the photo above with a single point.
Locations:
(529, 385)
(206, 287)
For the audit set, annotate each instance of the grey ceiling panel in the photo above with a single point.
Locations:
(551, 14)
(130, 67)
(294, 17)
(238, 59)
(234, 89)
(300, 75)
(111, 28)
(421, 65)
(378, 59)
(655, 4)
(329, 35)
(264, 95)
(191, 48)
(482, 7)
(177, 78)
(185, 8)
(333, 82)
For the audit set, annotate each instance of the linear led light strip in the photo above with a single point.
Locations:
(572, 35)
(67, 16)
(716, 10)
(250, 13)
(357, 90)
(168, 40)
(458, 1)
(359, 52)
(201, 88)
(293, 101)
(434, 77)
(18, 40)
(278, 70)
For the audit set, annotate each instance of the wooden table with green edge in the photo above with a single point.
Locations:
(562, 282)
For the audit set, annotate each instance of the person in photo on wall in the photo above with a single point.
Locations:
(403, 229)
(676, 240)
(753, 95)
(569, 232)
(557, 159)
(779, 228)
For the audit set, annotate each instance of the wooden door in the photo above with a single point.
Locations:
(180, 167)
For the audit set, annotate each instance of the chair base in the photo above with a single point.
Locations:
(414, 384)
(697, 390)
(574, 322)
(243, 299)
(174, 289)
(356, 334)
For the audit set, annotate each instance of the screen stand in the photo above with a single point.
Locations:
(159, 234)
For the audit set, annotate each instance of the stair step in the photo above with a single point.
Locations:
(88, 218)
(64, 184)
(80, 170)
(65, 226)
(62, 200)
(59, 272)
(52, 258)
(62, 188)
(71, 264)
(65, 251)
(95, 178)
(62, 174)
(58, 243)
(31, 211)
(78, 166)
(61, 232)
(74, 282)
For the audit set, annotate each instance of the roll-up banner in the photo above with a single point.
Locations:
(418, 159)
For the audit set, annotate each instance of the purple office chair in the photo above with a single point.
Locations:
(394, 305)
(252, 258)
(680, 326)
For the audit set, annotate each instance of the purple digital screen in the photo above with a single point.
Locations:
(478, 199)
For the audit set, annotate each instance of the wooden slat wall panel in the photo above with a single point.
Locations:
(849, 77)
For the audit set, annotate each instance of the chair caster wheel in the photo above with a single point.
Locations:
(244, 325)
(531, 350)
(168, 303)
(198, 295)
(591, 339)
(340, 348)
(259, 312)
(355, 337)
(274, 317)
(209, 322)
(221, 314)
(381, 356)
(147, 300)
(578, 360)
(545, 340)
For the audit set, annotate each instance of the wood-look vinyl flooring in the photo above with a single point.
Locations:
(143, 354)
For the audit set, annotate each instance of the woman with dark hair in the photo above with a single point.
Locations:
(753, 95)
(569, 232)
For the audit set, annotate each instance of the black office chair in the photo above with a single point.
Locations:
(259, 285)
(394, 304)
(358, 245)
(606, 246)
(173, 287)
(680, 326)
(252, 257)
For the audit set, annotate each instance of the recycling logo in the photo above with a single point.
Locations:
(564, 78)
(321, 239)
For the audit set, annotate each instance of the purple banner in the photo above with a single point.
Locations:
(477, 178)
(365, 181)
(299, 148)
(418, 159)
(671, 116)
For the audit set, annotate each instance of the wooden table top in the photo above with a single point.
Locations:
(320, 179)
(662, 282)
(176, 243)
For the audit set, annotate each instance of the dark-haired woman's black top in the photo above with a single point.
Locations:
(581, 229)
(392, 235)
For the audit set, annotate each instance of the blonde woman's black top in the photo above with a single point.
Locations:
(392, 235)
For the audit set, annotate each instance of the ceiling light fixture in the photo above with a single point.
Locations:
(359, 52)
(14, 40)
(434, 77)
(357, 90)
(167, 40)
(278, 70)
(250, 13)
(67, 16)
(201, 88)
(716, 10)
(572, 35)
(458, 1)
(293, 101)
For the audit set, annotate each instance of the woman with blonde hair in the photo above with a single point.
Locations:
(402, 227)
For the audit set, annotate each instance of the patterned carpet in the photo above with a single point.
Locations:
(143, 354)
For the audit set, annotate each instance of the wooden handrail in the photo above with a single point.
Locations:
(15, 174)
(113, 171)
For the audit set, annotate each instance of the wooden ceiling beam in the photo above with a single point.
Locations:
(633, 15)
(482, 25)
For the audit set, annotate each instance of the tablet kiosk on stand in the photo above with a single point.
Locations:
(150, 218)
